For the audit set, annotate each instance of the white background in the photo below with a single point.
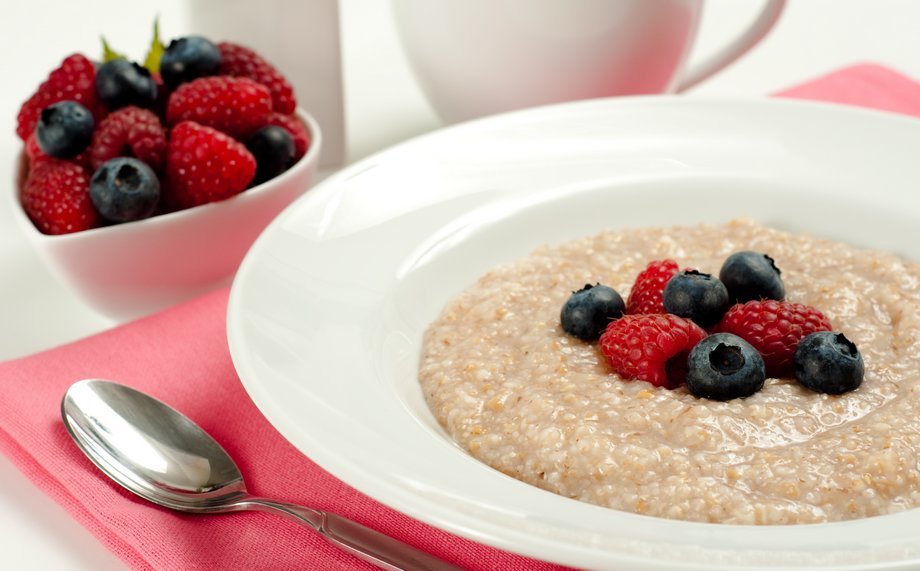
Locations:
(383, 106)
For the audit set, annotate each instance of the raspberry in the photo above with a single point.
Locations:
(33, 151)
(204, 165)
(56, 197)
(296, 128)
(774, 328)
(74, 80)
(129, 132)
(646, 293)
(651, 348)
(235, 105)
(240, 61)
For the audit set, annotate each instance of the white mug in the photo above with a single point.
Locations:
(479, 57)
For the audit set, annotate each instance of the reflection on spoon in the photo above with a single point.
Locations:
(159, 454)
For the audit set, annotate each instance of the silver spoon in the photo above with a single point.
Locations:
(159, 454)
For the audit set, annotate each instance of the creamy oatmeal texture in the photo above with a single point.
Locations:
(520, 395)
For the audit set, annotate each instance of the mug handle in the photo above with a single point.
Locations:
(721, 59)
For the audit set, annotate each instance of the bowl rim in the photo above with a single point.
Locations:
(308, 160)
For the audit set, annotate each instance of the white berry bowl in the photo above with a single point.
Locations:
(135, 268)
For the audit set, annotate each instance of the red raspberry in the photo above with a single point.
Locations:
(204, 165)
(296, 128)
(240, 61)
(774, 328)
(651, 347)
(56, 197)
(74, 80)
(129, 132)
(646, 293)
(235, 105)
(33, 151)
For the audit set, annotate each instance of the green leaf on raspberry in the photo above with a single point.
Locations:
(108, 54)
(155, 53)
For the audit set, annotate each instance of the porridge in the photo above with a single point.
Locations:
(544, 407)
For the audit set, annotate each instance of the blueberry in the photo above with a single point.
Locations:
(588, 311)
(696, 296)
(723, 367)
(273, 149)
(188, 58)
(124, 189)
(752, 276)
(828, 362)
(64, 129)
(120, 82)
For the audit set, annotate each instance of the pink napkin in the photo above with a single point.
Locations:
(181, 357)
(863, 85)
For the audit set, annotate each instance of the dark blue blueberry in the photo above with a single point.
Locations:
(273, 149)
(124, 189)
(724, 367)
(120, 82)
(64, 129)
(588, 311)
(696, 296)
(828, 362)
(188, 58)
(752, 276)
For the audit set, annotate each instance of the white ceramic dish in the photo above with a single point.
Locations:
(127, 270)
(327, 311)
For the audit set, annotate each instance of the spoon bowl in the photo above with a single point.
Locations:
(158, 453)
(150, 448)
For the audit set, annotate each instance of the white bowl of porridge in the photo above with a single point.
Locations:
(400, 327)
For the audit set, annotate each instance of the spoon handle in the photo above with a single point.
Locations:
(359, 540)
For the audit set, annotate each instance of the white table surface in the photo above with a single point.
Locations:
(383, 106)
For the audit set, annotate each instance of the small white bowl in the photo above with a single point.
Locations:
(132, 269)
